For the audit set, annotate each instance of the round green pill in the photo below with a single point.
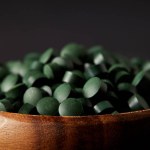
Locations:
(16, 92)
(109, 84)
(93, 86)
(62, 92)
(7, 104)
(118, 67)
(146, 66)
(47, 106)
(14, 66)
(46, 56)
(125, 91)
(26, 108)
(91, 70)
(103, 107)
(60, 61)
(95, 49)
(138, 78)
(115, 112)
(142, 83)
(34, 78)
(136, 102)
(124, 86)
(95, 70)
(98, 58)
(71, 107)
(85, 102)
(32, 96)
(122, 76)
(72, 78)
(9, 82)
(36, 65)
(47, 89)
(17, 67)
(64, 62)
(73, 50)
(137, 62)
(48, 72)
(58, 71)
(31, 57)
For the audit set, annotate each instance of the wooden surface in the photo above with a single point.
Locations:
(27, 132)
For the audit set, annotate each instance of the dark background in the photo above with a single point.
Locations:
(122, 27)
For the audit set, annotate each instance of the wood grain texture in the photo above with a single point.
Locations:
(115, 132)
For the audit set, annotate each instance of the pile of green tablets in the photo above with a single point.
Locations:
(79, 81)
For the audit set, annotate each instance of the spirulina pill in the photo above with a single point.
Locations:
(47, 89)
(91, 70)
(59, 61)
(62, 92)
(114, 100)
(48, 71)
(142, 83)
(16, 91)
(7, 104)
(17, 67)
(71, 107)
(122, 76)
(47, 106)
(103, 107)
(32, 96)
(35, 78)
(87, 106)
(124, 86)
(93, 87)
(125, 90)
(109, 84)
(33, 56)
(138, 62)
(72, 78)
(84, 102)
(93, 51)
(36, 65)
(72, 50)
(118, 67)
(26, 108)
(58, 70)
(9, 82)
(115, 112)
(98, 58)
(68, 64)
(46, 56)
(136, 102)
(138, 78)
(146, 66)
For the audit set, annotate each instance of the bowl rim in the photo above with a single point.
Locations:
(71, 117)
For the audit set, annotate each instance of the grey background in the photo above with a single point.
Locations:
(122, 27)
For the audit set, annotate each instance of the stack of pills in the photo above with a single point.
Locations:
(79, 81)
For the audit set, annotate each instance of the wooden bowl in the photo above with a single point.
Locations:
(29, 132)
